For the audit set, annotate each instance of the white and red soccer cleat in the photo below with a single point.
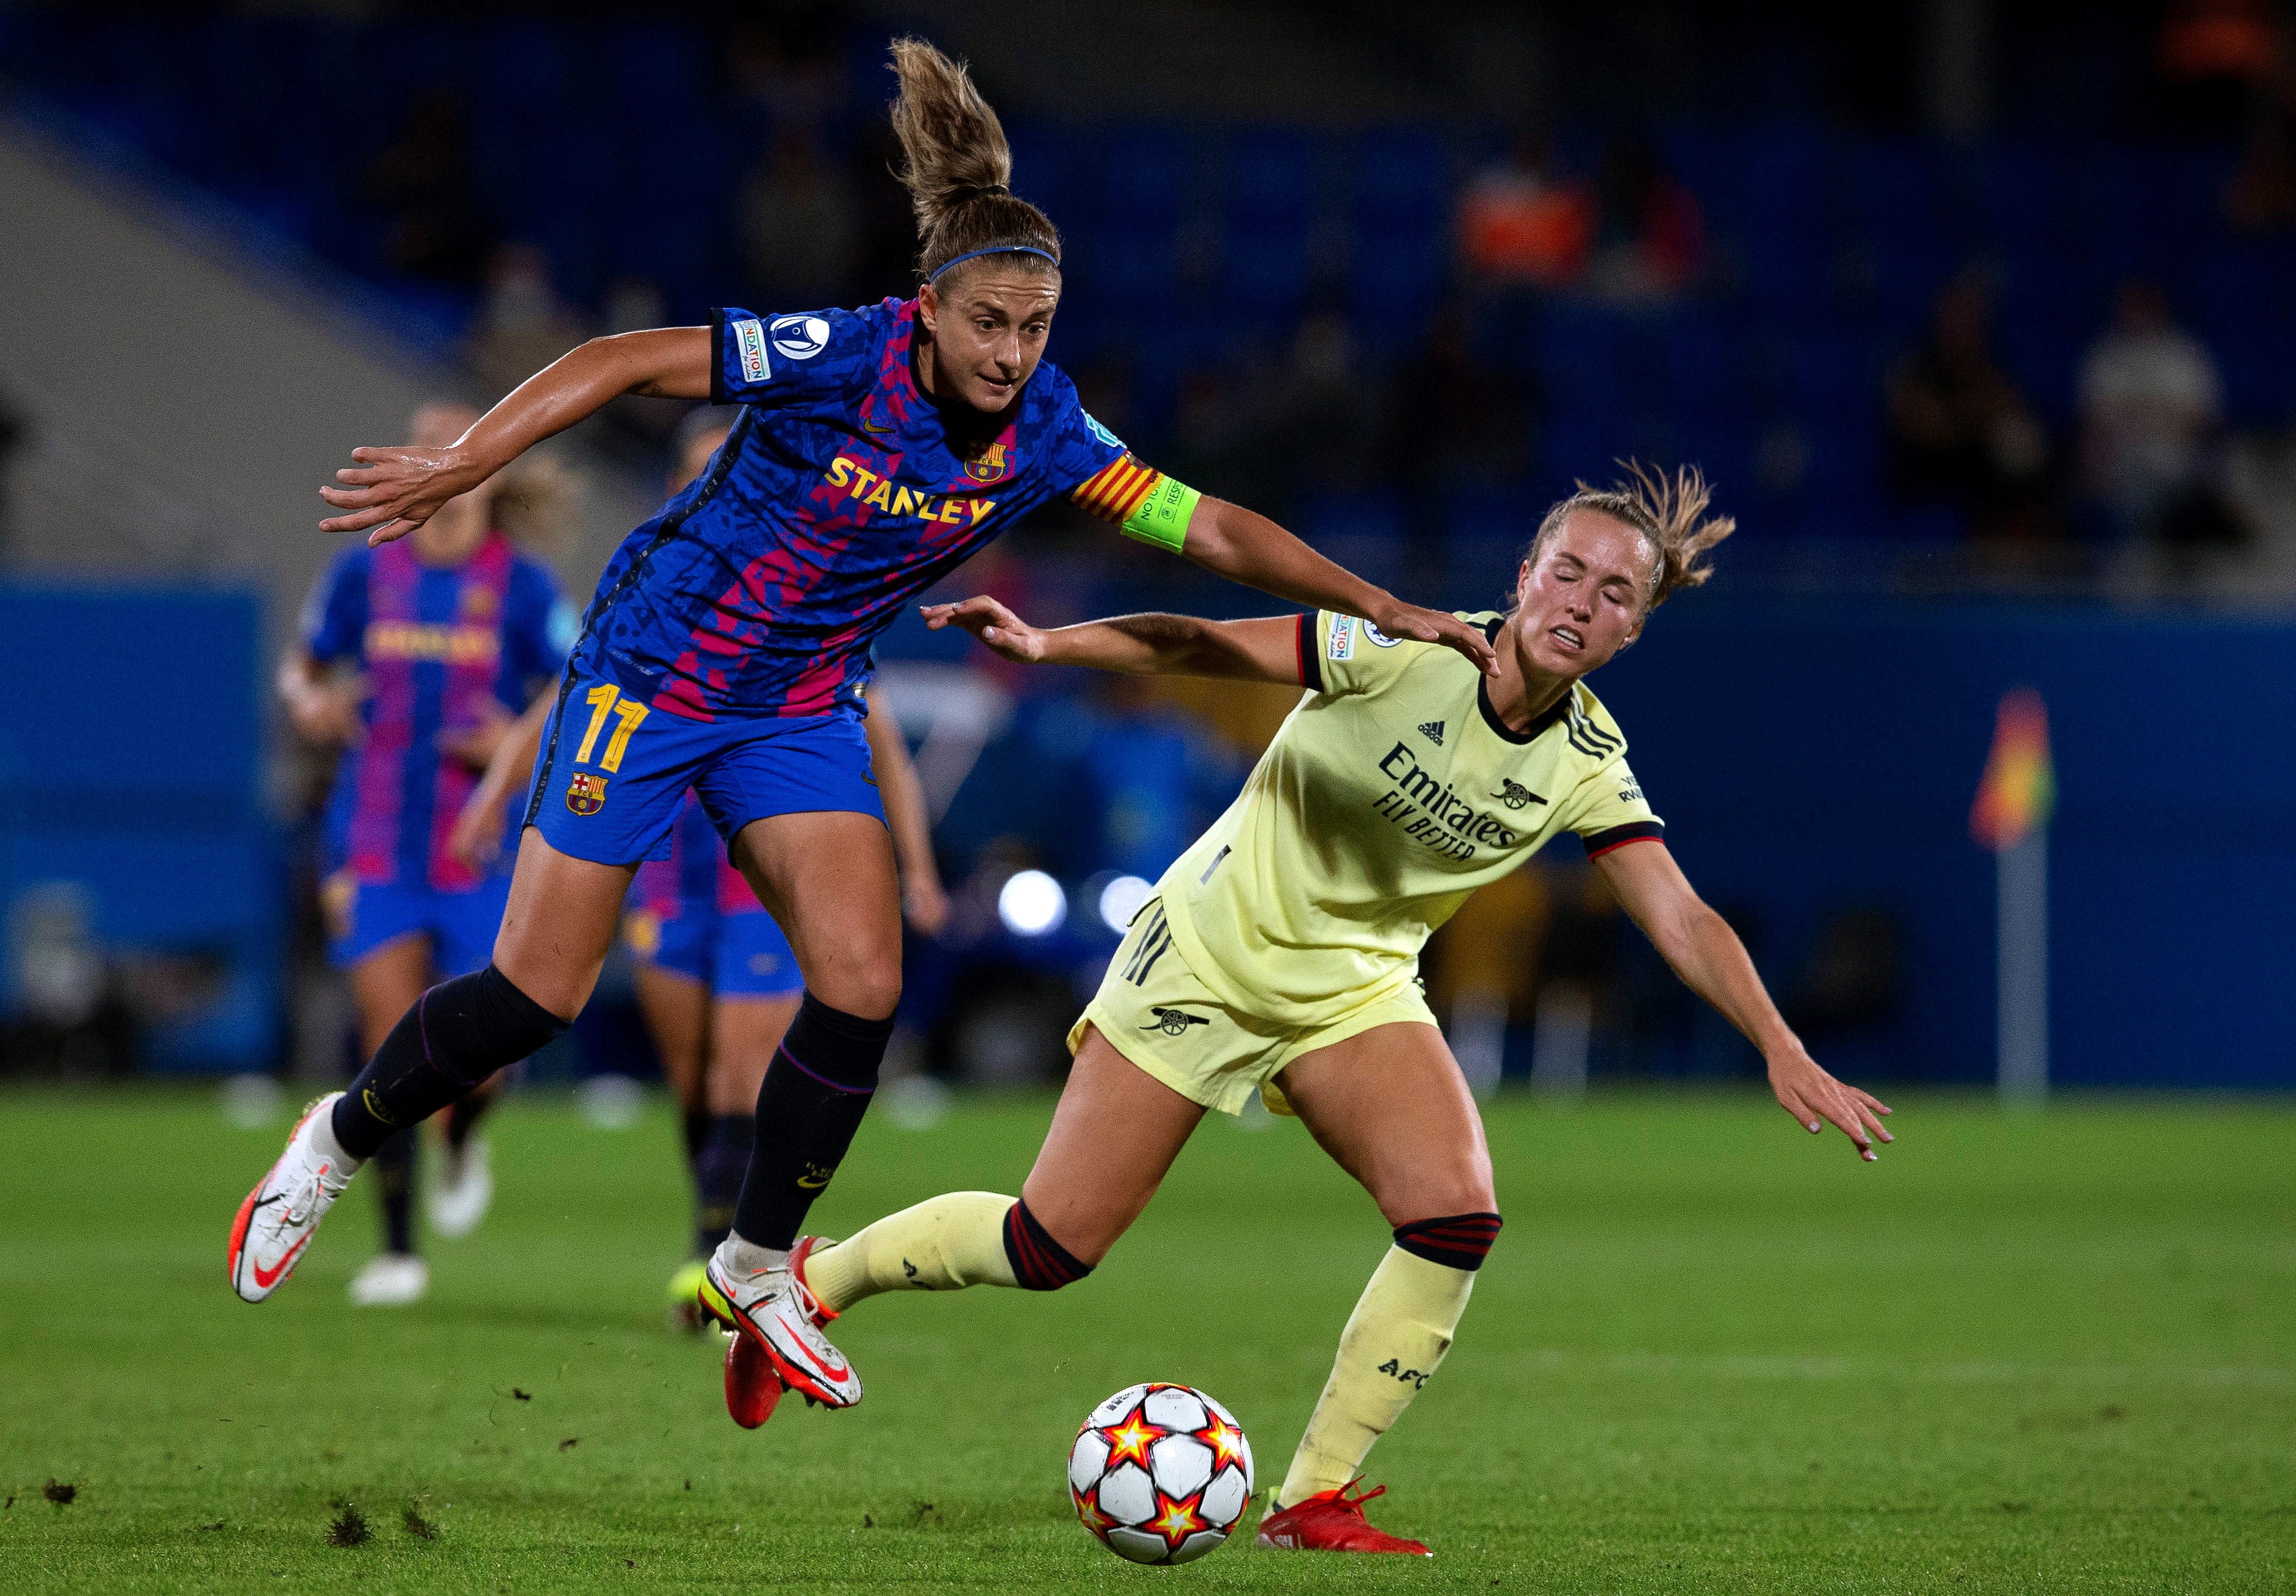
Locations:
(777, 1311)
(282, 1214)
(1333, 1521)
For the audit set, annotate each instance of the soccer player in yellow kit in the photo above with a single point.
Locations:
(1280, 953)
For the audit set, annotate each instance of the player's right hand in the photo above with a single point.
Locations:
(997, 627)
(327, 714)
(1438, 626)
(390, 492)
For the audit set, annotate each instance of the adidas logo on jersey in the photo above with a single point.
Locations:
(1433, 732)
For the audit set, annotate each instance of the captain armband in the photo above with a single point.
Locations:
(1140, 502)
(1163, 516)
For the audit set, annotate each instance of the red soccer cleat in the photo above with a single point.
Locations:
(752, 1388)
(1333, 1521)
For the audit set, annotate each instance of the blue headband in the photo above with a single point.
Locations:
(934, 276)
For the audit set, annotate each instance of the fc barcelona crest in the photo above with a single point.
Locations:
(585, 794)
(993, 466)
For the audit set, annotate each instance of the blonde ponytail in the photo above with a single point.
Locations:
(958, 168)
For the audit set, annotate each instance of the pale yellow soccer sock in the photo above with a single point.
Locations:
(1397, 1335)
(942, 1244)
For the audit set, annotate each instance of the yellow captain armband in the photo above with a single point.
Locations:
(1163, 516)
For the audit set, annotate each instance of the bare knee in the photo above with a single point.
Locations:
(870, 991)
(1461, 1185)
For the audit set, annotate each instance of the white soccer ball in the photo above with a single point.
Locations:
(1161, 1473)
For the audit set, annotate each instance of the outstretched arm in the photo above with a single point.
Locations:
(1142, 645)
(1248, 548)
(1707, 955)
(390, 492)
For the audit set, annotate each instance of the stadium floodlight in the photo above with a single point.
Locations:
(1120, 900)
(1032, 904)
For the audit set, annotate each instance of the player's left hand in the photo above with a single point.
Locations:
(1816, 1099)
(1437, 625)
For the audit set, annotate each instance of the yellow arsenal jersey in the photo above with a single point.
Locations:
(1391, 792)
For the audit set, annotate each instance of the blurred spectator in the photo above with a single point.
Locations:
(1650, 235)
(800, 228)
(2262, 197)
(2150, 399)
(1324, 415)
(434, 226)
(1219, 440)
(1521, 225)
(1454, 422)
(522, 326)
(785, 71)
(2215, 57)
(15, 432)
(1961, 430)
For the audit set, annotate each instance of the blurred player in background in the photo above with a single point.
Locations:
(1279, 956)
(414, 658)
(727, 651)
(717, 980)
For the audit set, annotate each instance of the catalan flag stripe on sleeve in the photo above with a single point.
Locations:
(1118, 490)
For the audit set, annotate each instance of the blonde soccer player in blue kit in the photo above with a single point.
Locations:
(1279, 955)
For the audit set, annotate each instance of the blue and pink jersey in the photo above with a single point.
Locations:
(436, 643)
(837, 498)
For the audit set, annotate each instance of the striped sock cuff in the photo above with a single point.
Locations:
(1456, 1241)
(1039, 1263)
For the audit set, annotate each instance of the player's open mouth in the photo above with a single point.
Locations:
(1568, 636)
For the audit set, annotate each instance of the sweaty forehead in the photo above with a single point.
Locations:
(1013, 291)
(1603, 544)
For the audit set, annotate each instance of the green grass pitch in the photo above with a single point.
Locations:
(1709, 1354)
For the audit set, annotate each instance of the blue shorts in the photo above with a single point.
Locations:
(363, 915)
(613, 772)
(738, 954)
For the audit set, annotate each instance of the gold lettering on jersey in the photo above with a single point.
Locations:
(425, 641)
(877, 492)
(1427, 809)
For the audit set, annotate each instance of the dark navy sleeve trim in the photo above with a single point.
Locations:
(717, 358)
(1639, 830)
(1311, 658)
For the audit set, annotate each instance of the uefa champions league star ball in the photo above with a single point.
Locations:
(1161, 1473)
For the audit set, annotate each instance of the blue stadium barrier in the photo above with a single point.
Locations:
(130, 776)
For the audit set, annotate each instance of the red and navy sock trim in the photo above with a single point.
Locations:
(1039, 1263)
(1457, 1241)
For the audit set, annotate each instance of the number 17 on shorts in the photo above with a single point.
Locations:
(586, 791)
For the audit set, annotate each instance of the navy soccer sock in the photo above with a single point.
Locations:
(696, 1124)
(815, 1091)
(717, 1171)
(457, 1035)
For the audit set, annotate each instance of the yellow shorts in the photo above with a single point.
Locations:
(1153, 1011)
